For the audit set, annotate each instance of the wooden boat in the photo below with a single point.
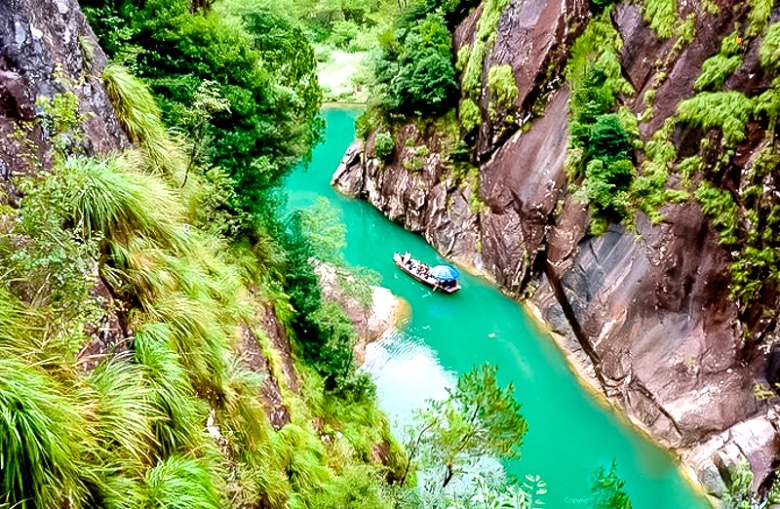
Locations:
(422, 273)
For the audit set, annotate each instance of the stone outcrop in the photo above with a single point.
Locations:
(47, 48)
(646, 314)
(370, 319)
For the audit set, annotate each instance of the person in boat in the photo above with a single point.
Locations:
(406, 259)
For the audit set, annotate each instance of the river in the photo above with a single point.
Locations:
(570, 432)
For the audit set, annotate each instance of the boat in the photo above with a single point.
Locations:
(443, 278)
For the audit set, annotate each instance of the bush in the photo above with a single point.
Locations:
(608, 139)
(384, 145)
(421, 79)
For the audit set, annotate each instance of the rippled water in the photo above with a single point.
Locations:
(570, 432)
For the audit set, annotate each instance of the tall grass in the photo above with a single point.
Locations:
(139, 114)
(124, 410)
(118, 202)
(180, 483)
(184, 419)
(42, 432)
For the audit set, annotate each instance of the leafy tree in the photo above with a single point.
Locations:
(607, 489)
(477, 419)
(416, 67)
(262, 65)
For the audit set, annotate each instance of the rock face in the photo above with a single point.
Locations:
(48, 48)
(645, 314)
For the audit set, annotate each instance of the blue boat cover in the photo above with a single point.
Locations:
(445, 272)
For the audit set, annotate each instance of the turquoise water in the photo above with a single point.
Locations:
(570, 432)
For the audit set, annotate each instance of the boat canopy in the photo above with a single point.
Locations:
(444, 272)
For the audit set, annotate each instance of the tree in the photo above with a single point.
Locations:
(477, 419)
(607, 489)
(416, 67)
(259, 62)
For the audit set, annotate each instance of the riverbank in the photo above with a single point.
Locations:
(571, 434)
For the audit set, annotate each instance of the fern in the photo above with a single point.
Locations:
(661, 15)
(729, 111)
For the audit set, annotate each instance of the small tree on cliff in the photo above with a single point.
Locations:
(607, 489)
(477, 419)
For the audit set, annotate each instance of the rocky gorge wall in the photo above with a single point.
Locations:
(644, 308)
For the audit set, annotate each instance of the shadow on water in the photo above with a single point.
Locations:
(570, 432)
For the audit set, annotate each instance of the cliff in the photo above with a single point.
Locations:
(648, 307)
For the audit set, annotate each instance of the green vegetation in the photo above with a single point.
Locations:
(470, 116)
(132, 248)
(717, 68)
(758, 16)
(600, 148)
(729, 111)
(607, 489)
(661, 15)
(478, 418)
(271, 121)
(384, 145)
(770, 48)
(472, 61)
(415, 73)
(502, 85)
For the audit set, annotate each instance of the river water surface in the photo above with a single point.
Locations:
(570, 432)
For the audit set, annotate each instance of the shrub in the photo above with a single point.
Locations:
(502, 84)
(605, 185)
(715, 70)
(384, 145)
(419, 75)
(608, 140)
(722, 209)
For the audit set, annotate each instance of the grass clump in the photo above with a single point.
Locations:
(180, 483)
(729, 111)
(661, 15)
(42, 433)
(139, 114)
